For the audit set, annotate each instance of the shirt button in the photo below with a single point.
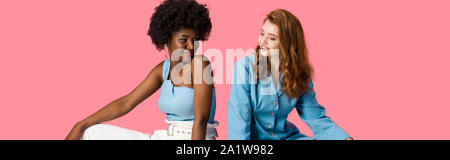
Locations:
(270, 126)
(275, 103)
(271, 113)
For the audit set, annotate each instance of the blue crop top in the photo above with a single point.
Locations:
(178, 102)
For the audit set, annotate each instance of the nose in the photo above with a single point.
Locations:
(263, 40)
(190, 46)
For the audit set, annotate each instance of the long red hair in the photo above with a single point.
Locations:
(294, 63)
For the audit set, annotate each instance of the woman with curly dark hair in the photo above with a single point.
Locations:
(175, 26)
(268, 85)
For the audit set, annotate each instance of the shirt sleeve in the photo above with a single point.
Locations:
(239, 105)
(314, 116)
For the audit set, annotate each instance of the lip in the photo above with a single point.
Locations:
(188, 52)
(263, 47)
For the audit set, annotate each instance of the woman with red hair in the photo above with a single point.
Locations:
(268, 85)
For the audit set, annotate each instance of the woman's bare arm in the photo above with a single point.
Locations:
(203, 92)
(125, 104)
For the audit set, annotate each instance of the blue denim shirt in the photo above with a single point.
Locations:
(258, 111)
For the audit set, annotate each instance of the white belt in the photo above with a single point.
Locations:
(185, 128)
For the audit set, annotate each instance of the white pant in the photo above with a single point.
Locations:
(178, 130)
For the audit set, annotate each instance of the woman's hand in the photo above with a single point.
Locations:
(75, 133)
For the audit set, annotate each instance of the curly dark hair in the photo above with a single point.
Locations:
(172, 15)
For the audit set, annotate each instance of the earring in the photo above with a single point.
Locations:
(165, 52)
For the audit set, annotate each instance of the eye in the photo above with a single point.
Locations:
(182, 40)
(272, 39)
(262, 34)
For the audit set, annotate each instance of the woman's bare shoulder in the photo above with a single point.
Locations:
(158, 70)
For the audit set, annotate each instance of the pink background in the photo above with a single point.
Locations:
(381, 67)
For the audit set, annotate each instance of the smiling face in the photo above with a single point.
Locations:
(269, 38)
(183, 41)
